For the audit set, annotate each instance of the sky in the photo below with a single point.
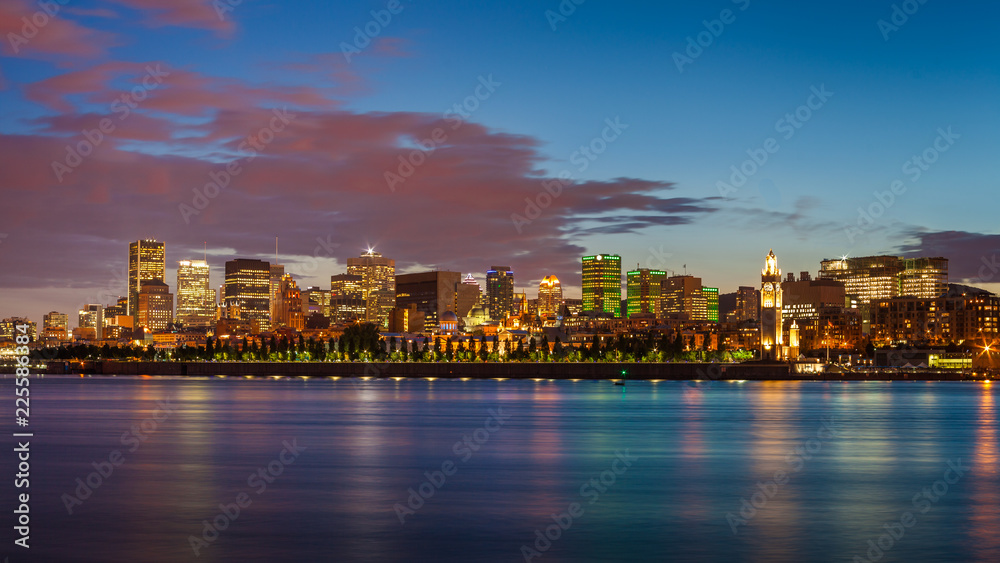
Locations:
(691, 137)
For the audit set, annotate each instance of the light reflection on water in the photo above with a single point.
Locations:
(702, 449)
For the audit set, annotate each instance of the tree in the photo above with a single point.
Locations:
(209, 349)
(557, 348)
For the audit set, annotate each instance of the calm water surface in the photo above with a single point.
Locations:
(818, 470)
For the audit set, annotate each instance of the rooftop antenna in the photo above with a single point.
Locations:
(275, 249)
(206, 250)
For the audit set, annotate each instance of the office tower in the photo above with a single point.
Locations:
(55, 325)
(195, 295)
(747, 304)
(549, 296)
(682, 298)
(924, 278)
(288, 312)
(145, 263)
(9, 330)
(111, 312)
(156, 306)
(643, 291)
(378, 284)
(802, 300)
(960, 315)
(602, 283)
(248, 290)
(434, 294)
(92, 316)
(274, 286)
(500, 292)
(711, 303)
(469, 280)
(315, 300)
(347, 298)
(771, 329)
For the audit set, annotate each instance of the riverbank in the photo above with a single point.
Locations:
(508, 370)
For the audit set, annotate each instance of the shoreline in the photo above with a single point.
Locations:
(501, 370)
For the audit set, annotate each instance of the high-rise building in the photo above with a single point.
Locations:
(289, 310)
(602, 283)
(274, 288)
(9, 328)
(434, 294)
(315, 300)
(924, 278)
(92, 316)
(146, 262)
(248, 290)
(378, 283)
(803, 299)
(469, 280)
(195, 295)
(771, 327)
(885, 277)
(643, 291)
(347, 298)
(55, 325)
(550, 296)
(747, 304)
(711, 303)
(682, 298)
(960, 315)
(156, 306)
(500, 292)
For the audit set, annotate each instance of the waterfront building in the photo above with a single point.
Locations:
(347, 298)
(435, 293)
(195, 296)
(248, 292)
(682, 298)
(771, 326)
(642, 290)
(378, 285)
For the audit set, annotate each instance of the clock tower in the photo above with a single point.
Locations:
(771, 339)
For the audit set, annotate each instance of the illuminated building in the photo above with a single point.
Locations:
(195, 296)
(56, 325)
(378, 285)
(92, 316)
(500, 292)
(315, 300)
(289, 309)
(711, 303)
(602, 283)
(274, 288)
(156, 306)
(682, 298)
(642, 291)
(469, 280)
(434, 294)
(347, 298)
(957, 316)
(549, 296)
(803, 299)
(248, 291)
(406, 319)
(771, 329)
(924, 278)
(145, 263)
(8, 328)
(747, 305)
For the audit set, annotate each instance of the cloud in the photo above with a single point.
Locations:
(972, 256)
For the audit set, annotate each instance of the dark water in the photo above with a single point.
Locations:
(689, 456)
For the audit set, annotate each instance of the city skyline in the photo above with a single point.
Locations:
(658, 145)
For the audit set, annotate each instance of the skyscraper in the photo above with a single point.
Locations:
(549, 296)
(470, 280)
(145, 263)
(711, 303)
(92, 316)
(195, 296)
(378, 284)
(274, 284)
(347, 298)
(602, 283)
(682, 298)
(248, 289)
(747, 304)
(771, 329)
(642, 293)
(56, 325)
(156, 306)
(289, 309)
(500, 292)
(434, 294)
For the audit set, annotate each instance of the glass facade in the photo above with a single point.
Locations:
(602, 283)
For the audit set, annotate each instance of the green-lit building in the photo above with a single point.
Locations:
(712, 302)
(602, 283)
(642, 288)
